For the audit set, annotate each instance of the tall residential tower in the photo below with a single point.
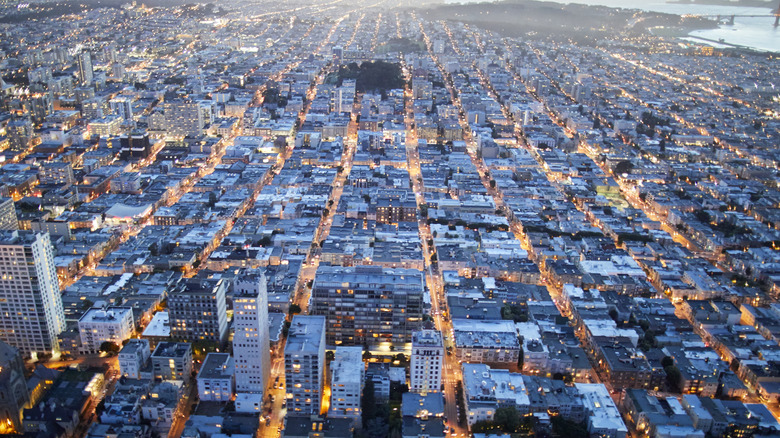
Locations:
(368, 304)
(426, 361)
(86, 72)
(30, 301)
(304, 364)
(251, 343)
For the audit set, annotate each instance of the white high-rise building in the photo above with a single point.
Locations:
(98, 325)
(30, 301)
(122, 106)
(426, 361)
(346, 383)
(251, 343)
(304, 364)
(8, 219)
(183, 118)
(86, 72)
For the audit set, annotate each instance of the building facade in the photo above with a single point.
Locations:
(135, 145)
(183, 118)
(251, 343)
(368, 304)
(304, 364)
(13, 389)
(28, 279)
(133, 357)
(86, 72)
(215, 378)
(198, 312)
(426, 361)
(8, 219)
(112, 324)
(172, 361)
(346, 383)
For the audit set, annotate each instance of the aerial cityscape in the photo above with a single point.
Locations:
(389, 218)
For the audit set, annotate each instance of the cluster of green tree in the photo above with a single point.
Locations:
(505, 420)
(633, 237)
(649, 122)
(461, 223)
(402, 45)
(731, 230)
(702, 216)
(273, 96)
(557, 233)
(682, 194)
(165, 248)
(673, 375)
(175, 80)
(648, 341)
(514, 312)
(202, 347)
(380, 420)
(461, 404)
(109, 347)
(622, 167)
(372, 76)
(567, 428)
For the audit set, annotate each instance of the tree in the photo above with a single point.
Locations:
(703, 216)
(520, 353)
(109, 347)
(376, 428)
(294, 309)
(507, 418)
(514, 313)
(374, 75)
(212, 199)
(624, 166)
(368, 402)
(330, 355)
(86, 304)
(100, 407)
(673, 378)
(567, 428)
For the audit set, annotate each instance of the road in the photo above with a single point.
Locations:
(451, 370)
(272, 421)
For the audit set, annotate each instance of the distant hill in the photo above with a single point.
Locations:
(57, 8)
(526, 17)
(753, 3)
